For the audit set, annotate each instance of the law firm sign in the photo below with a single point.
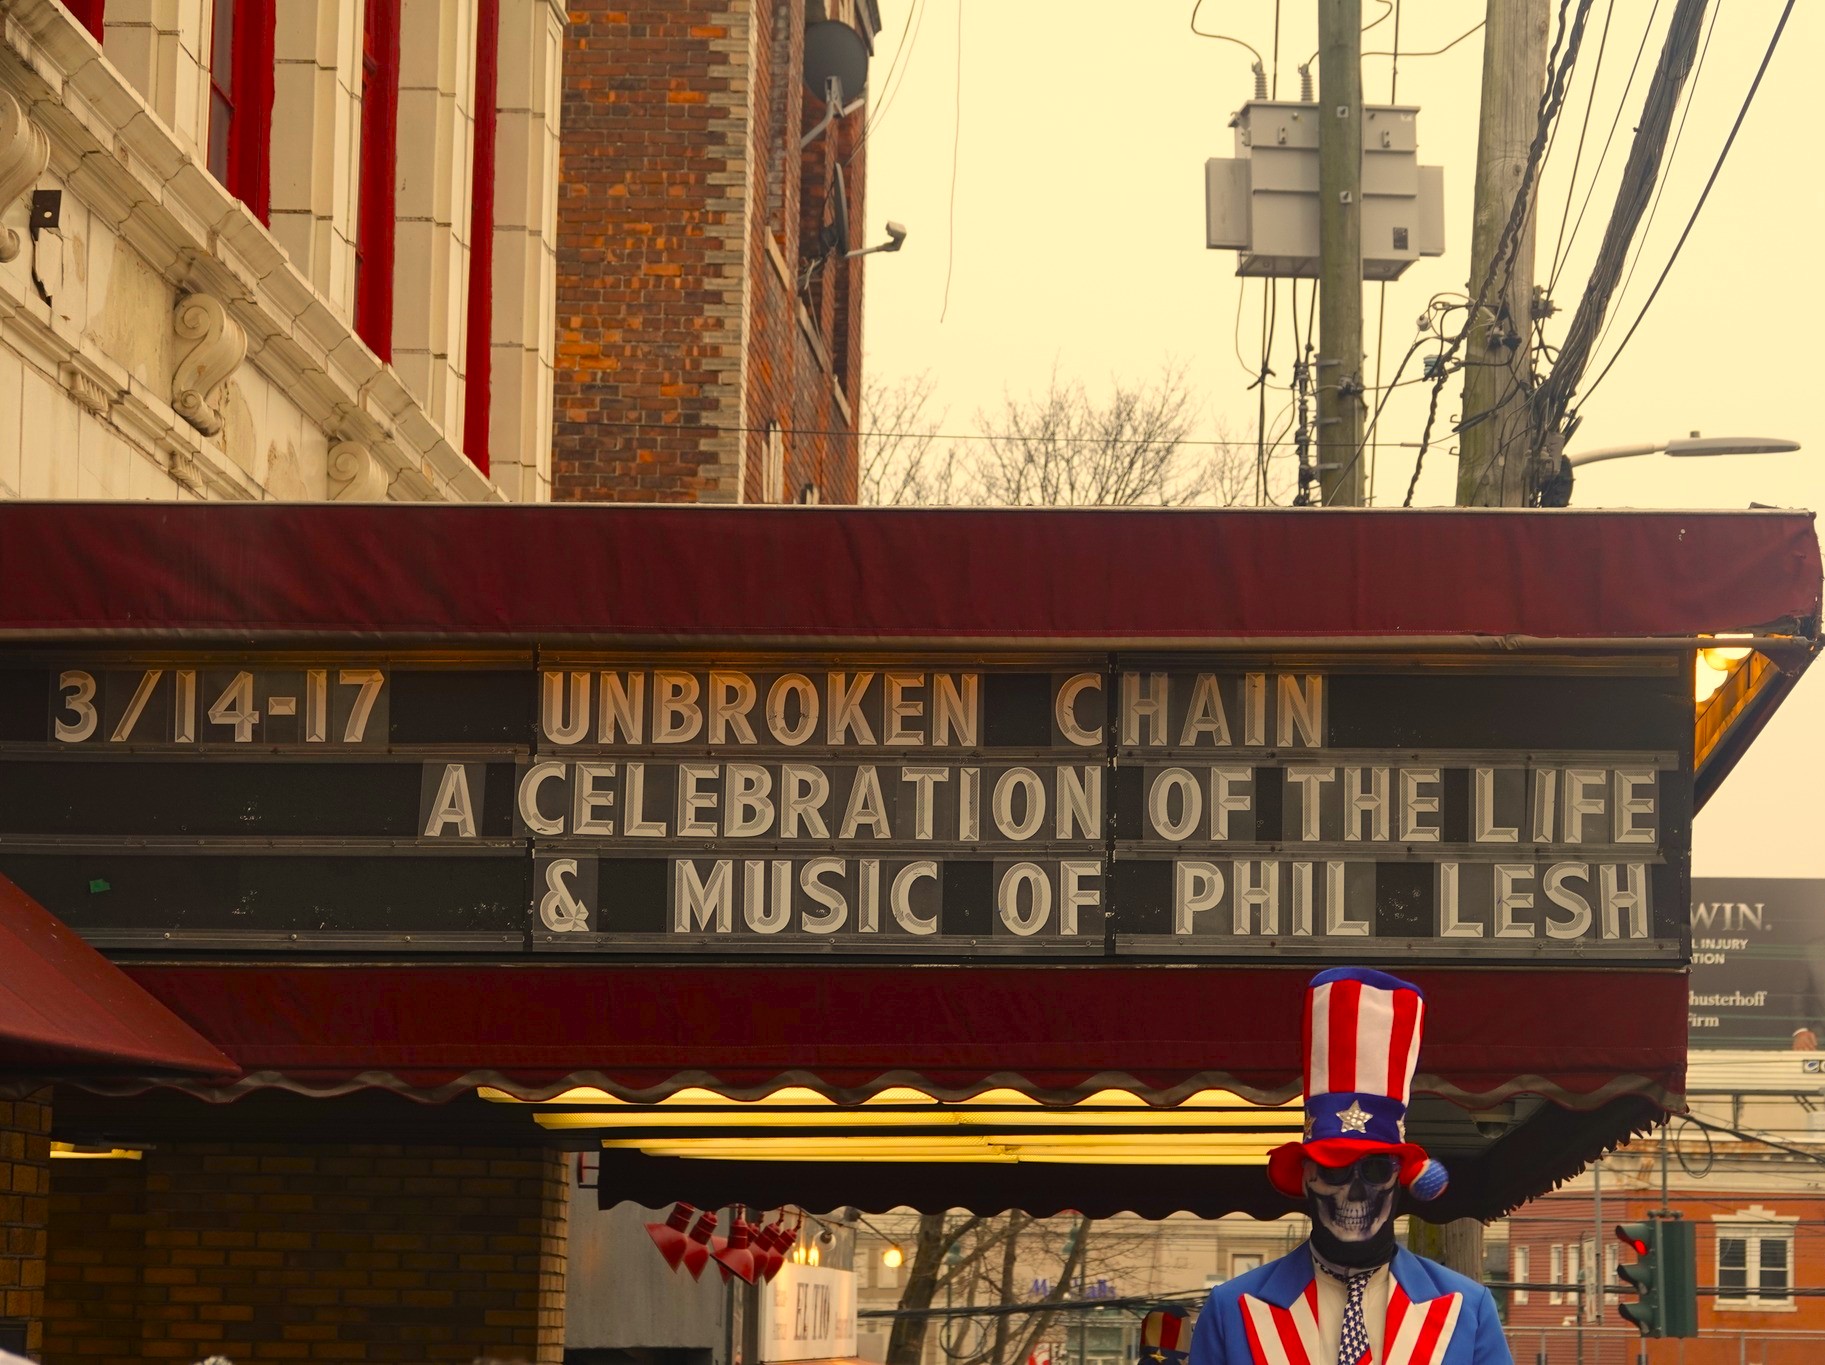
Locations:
(1101, 806)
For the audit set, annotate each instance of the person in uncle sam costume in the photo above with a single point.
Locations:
(1350, 1295)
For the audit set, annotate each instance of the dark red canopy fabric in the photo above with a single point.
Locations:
(63, 1005)
(809, 575)
(1058, 1033)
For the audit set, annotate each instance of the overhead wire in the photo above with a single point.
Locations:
(950, 250)
(736, 428)
(1562, 251)
(1224, 37)
(890, 87)
(1590, 104)
(1437, 51)
(1381, 307)
(1722, 156)
(1666, 174)
(1552, 99)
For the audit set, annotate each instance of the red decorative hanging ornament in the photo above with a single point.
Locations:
(736, 1256)
(787, 1237)
(697, 1247)
(669, 1236)
(767, 1255)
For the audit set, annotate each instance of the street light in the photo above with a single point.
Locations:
(1688, 445)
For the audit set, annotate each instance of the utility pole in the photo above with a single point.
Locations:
(1496, 444)
(1339, 370)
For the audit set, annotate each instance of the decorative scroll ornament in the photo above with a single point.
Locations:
(24, 153)
(355, 475)
(221, 345)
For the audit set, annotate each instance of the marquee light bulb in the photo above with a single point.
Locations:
(893, 1258)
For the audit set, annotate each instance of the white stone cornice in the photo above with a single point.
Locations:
(126, 164)
(24, 153)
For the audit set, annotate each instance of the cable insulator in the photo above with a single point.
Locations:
(1306, 94)
(1260, 81)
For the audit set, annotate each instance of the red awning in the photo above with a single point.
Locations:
(1581, 1038)
(806, 576)
(64, 1007)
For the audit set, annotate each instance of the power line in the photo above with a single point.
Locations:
(1666, 171)
(1603, 42)
(1697, 208)
(1552, 99)
(950, 251)
(1224, 37)
(1437, 51)
(889, 90)
(733, 428)
(1603, 156)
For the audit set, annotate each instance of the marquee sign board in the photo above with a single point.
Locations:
(1100, 806)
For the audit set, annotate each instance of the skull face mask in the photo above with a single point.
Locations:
(1352, 1209)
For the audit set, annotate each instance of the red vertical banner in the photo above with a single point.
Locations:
(249, 132)
(478, 373)
(379, 162)
(88, 13)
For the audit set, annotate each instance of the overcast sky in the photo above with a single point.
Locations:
(1080, 132)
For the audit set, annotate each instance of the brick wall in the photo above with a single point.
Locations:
(681, 331)
(25, 1152)
(383, 1254)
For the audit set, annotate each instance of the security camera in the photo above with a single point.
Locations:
(896, 238)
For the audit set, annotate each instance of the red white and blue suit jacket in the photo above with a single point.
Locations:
(1269, 1316)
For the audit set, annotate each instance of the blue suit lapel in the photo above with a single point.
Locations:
(1287, 1277)
(1415, 1276)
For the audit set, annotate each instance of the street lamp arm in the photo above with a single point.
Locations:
(1584, 457)
(1688, 445)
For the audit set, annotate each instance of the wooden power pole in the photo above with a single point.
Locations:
(1339, 369)
(1496, 443)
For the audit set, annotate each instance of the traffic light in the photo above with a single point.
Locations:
(1679, 1277)
(1664, 1276)
(1643, 1277)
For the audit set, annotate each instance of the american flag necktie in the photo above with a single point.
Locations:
(1353, 1342)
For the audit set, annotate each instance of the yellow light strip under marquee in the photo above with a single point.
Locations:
(1085, 1149)
(804, 1097)
(1259, 1120)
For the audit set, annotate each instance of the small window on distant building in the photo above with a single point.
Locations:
(240, 100)
(1241, 1262)
(1557, 1273)
(1517, 1270)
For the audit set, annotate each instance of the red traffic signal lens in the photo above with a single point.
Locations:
(1641, 1248)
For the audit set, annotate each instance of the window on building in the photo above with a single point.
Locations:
(379, 156)
(1556, 1273)
(1755, 1264)
(1241, 1262)
(1612, 1277)
(1517, 1270)
(88, 13)
(240, 100)
(478, 371)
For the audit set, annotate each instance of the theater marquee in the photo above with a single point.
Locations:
(1068, 806)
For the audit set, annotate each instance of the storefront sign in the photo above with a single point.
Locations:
(807, 1312)
(932, 806)
(1758, 963)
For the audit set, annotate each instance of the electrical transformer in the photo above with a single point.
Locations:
(1263, 202)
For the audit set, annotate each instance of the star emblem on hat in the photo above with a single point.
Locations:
(1355, 1119)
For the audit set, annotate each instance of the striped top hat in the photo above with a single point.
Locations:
(1362, 1031)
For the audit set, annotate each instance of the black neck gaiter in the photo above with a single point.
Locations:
(1377, 1250)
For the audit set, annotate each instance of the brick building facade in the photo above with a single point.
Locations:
(709, 344)
(275, 1252)
(1756, 1207)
